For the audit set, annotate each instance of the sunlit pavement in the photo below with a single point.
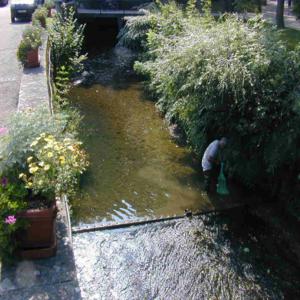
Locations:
(10, 69)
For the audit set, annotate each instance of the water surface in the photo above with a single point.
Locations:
(136, 169)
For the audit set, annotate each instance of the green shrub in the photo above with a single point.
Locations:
(227, 77)
(39, 17)
(66, 40)
(23, 129)
(296, 8)
(54, 165)
(31, 39)
(49, 4)
(11, 202)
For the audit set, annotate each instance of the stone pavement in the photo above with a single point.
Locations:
(45, 279)
(33, 88)
(269, 13)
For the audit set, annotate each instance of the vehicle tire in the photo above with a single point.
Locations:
(12, 18)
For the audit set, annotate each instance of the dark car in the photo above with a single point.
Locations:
(22, 9)
(3, 2)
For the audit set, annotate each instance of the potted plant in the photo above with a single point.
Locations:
(49, 4)
(52, 170)
(38, 155)
(11, 203)
(39, 17)
(28, 48)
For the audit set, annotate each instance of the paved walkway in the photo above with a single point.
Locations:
(269, 13)
(10, 70)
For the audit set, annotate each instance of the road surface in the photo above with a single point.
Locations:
(10, 69)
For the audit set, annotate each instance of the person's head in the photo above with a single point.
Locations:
(223, 142)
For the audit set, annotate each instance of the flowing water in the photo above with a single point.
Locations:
(137, 170)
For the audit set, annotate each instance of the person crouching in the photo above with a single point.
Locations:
(211, 163)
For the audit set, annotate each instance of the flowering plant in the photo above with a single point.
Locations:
(54, 166)
(11, 203)
(31, 39)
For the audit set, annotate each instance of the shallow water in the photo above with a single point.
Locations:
(136, 169)
(184, 259)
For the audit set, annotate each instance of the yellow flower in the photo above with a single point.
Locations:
(29, 184)
(34, 143)
(43, 135)
(50, 154)
(47, 167)
(56, 148)
(41, 163)
(62, 159)
(29, 159)
(40, 182)
(71, 148)
(22, 175)
(33, 170)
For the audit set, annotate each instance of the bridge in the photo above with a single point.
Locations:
(109, 8)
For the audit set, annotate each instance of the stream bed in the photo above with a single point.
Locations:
(137, 171)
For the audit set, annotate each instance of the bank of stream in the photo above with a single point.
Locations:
(137, 171)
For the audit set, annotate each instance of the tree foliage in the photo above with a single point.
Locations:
(225, 77)
(66, 40)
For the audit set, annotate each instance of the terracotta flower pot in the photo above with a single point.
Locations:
(32, 58)
(38, 239)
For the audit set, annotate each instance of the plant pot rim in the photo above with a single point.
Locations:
(41, 211)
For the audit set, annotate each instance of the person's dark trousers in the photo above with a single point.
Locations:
(289, 3)
(210, 179)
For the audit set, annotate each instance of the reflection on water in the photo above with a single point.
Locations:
(136, 170)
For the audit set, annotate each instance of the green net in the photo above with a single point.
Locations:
(222, 188)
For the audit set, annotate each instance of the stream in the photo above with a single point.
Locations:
(137, 171)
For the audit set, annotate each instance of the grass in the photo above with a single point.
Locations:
(290, 36)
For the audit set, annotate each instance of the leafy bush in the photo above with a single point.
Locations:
(39, 17)
(11, 203)
(296, 8)
(31, 39)
(66, 40)
(54, 165)
(62, 87)
(227, 77)
(49, 4)
(247, 6)
(23, 129)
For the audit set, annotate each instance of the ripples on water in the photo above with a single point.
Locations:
(174, 260)
(136, 169)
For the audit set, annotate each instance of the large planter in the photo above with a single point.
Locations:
(38, 239)
(32, 60)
